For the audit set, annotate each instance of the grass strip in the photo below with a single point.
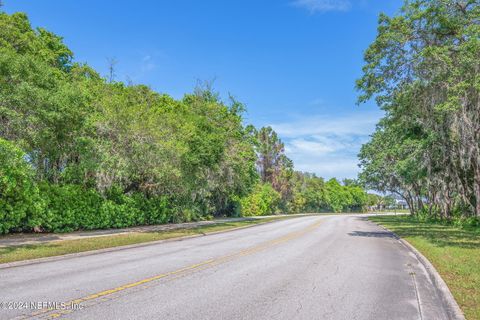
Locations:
(62, 247)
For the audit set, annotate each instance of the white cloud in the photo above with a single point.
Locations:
(147, 63)
(326, 145)
(144, 67)
(314, 6)
(315, 147)
(357, 123)
(339, 168)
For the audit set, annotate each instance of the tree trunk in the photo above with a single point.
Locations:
(476, 188)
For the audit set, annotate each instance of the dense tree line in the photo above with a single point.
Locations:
(423, 69)
(78, 151)
(281, 189)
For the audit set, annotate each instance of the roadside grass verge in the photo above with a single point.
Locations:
(394, 210)
(61, 247)
(454, 251)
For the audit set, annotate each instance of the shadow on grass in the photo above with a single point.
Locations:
(23, 251)
(436, 233)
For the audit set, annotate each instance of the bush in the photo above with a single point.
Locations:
(337, 197)
(469, 222)
(187, 214)
(72, 207)
(263, 200)
(19, 198)
(155, 210)
(297, 204)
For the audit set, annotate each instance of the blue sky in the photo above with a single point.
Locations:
(292, 62)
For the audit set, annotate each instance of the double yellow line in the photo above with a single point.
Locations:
(51, 314)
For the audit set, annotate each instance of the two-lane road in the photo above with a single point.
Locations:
(338, 267)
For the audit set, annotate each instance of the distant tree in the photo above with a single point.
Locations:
(273, 165)
(389, 201)
(112, 62)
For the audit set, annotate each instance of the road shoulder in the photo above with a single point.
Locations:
(450, 304)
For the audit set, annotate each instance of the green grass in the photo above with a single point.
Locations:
(26, 252)
(454, 251)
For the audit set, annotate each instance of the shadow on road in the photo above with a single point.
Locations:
(372, 234)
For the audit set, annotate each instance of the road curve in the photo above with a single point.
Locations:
(337, 267)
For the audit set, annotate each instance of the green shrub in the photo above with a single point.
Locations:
(154, 210)
(119, 215)
(466, 222)
(20, 203)
(297, 204)
(71, 207)
(263, 200)
(185, 213)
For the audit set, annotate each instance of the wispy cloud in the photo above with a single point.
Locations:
(145, 66)
(316, 6)
(355, 123)
(147, 63)
(327, 145)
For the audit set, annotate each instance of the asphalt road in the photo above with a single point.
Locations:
(335, 267)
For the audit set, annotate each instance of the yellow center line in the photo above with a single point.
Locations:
(51, 314)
